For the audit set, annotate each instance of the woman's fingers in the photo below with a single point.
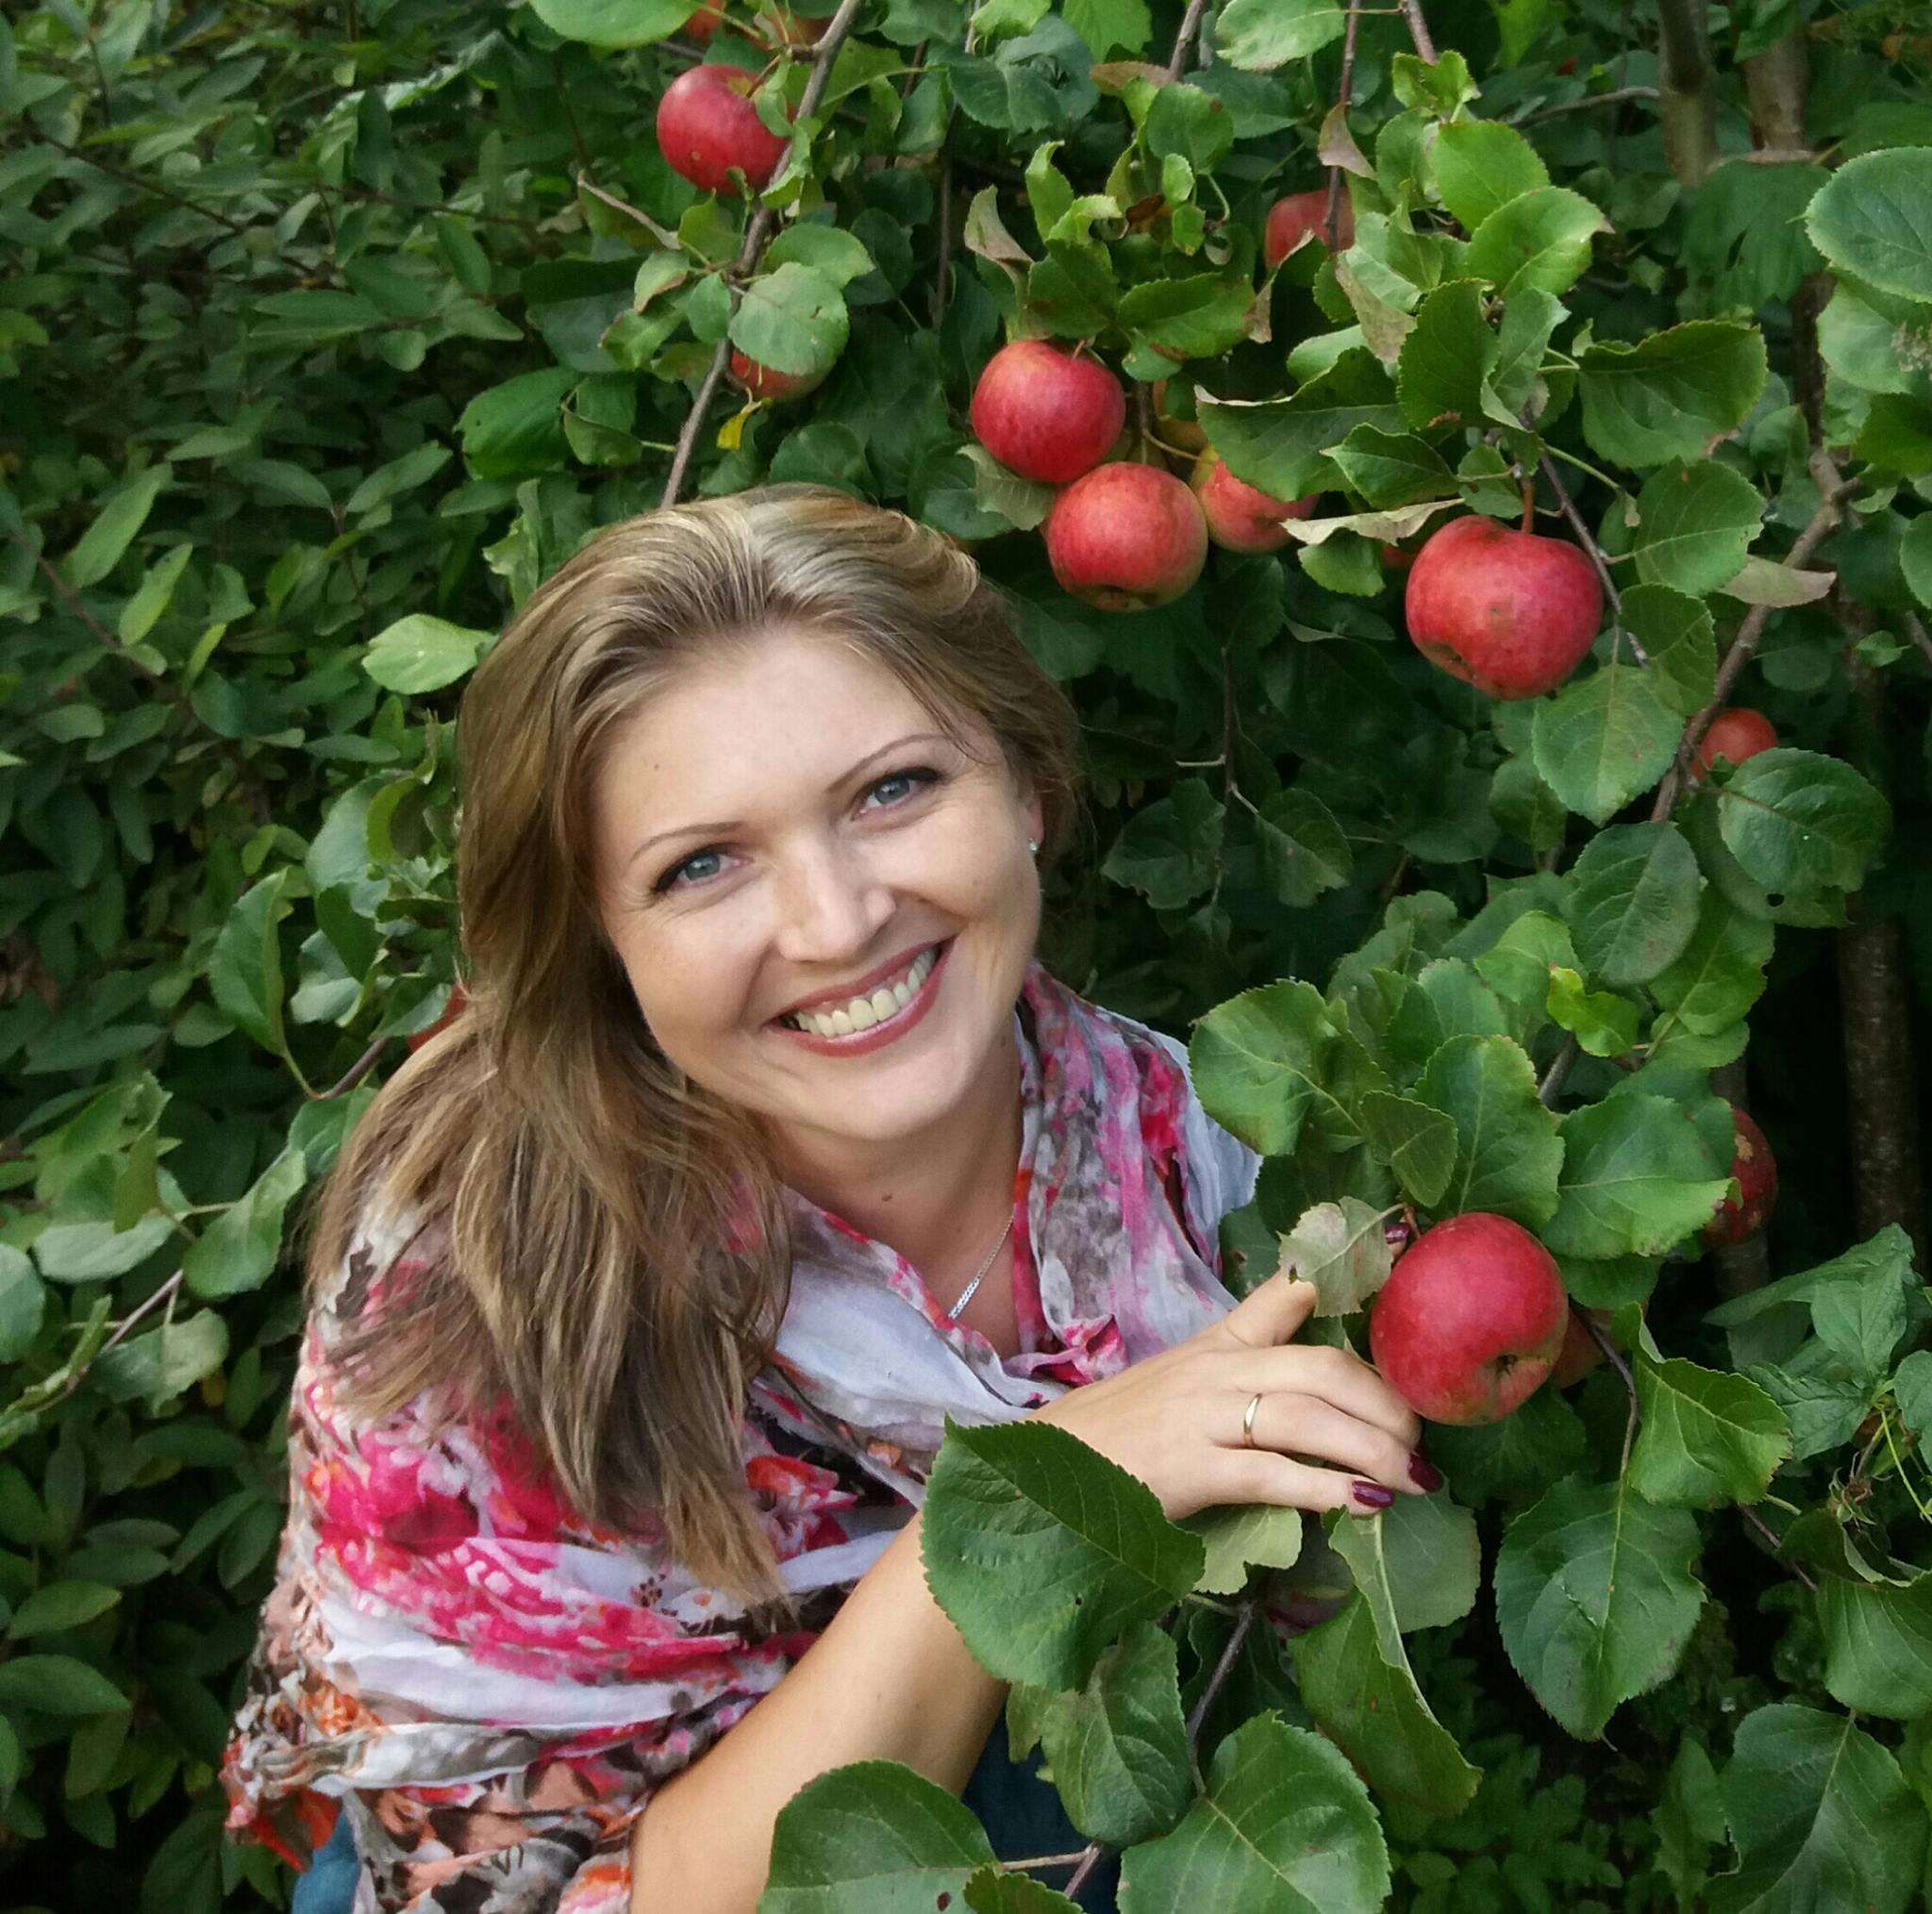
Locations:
(1336, 1375)
(1305, 1425)
(1271, 1313)
(1249, 1475)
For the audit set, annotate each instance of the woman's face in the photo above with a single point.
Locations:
(786, 827)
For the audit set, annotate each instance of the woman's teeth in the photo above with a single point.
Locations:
(862, 1013)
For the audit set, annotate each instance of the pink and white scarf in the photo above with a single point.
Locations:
(494, 1685)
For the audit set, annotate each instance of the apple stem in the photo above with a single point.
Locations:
(1528, 490)
(1345, 98)
(1614, 1356)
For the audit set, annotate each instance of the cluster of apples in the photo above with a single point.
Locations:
(1474, 1318)
(1122, 535)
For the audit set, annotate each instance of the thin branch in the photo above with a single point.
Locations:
(1552, 1086)
(1915, 630)
(1044, 1861)
(1190, 25)
(1419, 30)
(1770, 1534)
(1594, 552)
(1616, 96)
(1743, 648)
(357, 1071)
(756, 232)
(146, 186)
(1345, 98)
(1614, 1356)
(166, 1294)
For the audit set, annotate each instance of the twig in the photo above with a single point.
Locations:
(1345, 98)
(1614, 1356)
(1190, 25)
(357, 1071)
(1552, 1086)
(1770, 1534)
(147, 186)
(1915, 630)
(1044, 1861)
(755, 233)
(1594, 552)
(1615, 97)
(662, 234)
(1743, 648)
(166, 1294)
(1419, 30)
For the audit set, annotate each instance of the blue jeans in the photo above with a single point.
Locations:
(1022, 1815)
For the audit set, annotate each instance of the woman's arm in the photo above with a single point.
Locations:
(888, 1679)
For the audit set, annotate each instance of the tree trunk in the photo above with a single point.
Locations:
(1689, 113)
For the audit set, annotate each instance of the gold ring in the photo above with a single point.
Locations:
(1248, 1423)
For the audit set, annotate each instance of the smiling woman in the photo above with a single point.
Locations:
(643, 1294)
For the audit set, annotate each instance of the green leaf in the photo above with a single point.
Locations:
(1675, 633)
(1706, 1436)
(1513, 1460)
(90, 1252)
(421, 652)
(1721, 973)
(1439, 85)
(1636, 1179)
(1425, 1551)
(1257, 1063)
(1237, 1538)
(1873, 221)
(1602, 1023)
(1042, 1551)
(1508, 1150)
(517, 427)
(1278, 444)
(57, 1685)
(1481, 165)
(238, 1250)
(1673, 394)
(152, 595)
(1517, 966)
(1391, 469)
(115, 528)
(1417, 1143)
(1913, 1386)
(1446, 356)
(792, 319)
(1189, 122)
(1877, 1645)
(1538, 239)
(22, 1303)
(60, 1605)
(1596, 1598)
(1304, 849)
(613, 23)
(1634, 904)
(1339, 1248)
(245, 965)
(1262, 35)
(871, 1835)
(1118, 1746)
(1286, 1827)
(1798, 820)
(1603, 739)
(159, 1365)
(1694, 525)
(1821, 1818)
(1199, 317)
(1111, 26)
(1168, 851)
(1915, 557)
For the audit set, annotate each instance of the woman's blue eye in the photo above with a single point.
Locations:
(917, 777)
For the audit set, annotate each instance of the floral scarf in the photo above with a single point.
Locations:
(492, 1686)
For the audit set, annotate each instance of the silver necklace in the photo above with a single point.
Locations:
(966, 1295)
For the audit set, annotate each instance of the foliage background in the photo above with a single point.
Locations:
(334, 328)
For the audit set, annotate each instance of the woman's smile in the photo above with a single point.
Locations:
(869, 1021)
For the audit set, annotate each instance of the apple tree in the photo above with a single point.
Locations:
(1471, 462)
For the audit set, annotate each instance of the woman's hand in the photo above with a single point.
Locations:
(1174, 1419)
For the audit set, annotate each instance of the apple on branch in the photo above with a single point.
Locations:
(1126, 538)
(1735, 733)
(1048, 414)
(1470, 1320)
(766, 382)
(1242, 517)
(1741, 1216)
(1510, 612)
(708, 124)
(451, 1011)
(1291, 219)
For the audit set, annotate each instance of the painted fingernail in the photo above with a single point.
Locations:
(1371, 1494)
(1423, 1472)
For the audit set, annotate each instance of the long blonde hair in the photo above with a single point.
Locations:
(593, 1203)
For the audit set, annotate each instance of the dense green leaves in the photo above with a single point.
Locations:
(1672, 396)
(1873, 221)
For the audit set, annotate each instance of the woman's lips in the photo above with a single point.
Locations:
(896, 1026)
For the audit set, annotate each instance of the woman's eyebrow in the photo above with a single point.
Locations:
(838, 784)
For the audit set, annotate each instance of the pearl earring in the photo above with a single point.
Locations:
(1033, 845)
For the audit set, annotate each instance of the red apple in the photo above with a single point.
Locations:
(451, 1011)
(1126, 538)
(1513, 613)
(706, 124)
(1306, 212)
(1472, 1320)
(1397, 558)
(1044, 413)
(780, 26)
(1580, 1354)
(767, 382)
(1242, 517)
(1736, 732)
(1756, 1170)
(699, 29)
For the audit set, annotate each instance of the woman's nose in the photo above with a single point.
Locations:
(831, 904)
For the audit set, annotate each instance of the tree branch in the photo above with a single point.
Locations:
(756, 232)
(1190, 25)
(1616, 96)
(1345, 98)
(1594, 552)
(1419, 30)
(1690, 112)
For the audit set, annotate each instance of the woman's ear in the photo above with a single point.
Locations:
(1036, 820)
